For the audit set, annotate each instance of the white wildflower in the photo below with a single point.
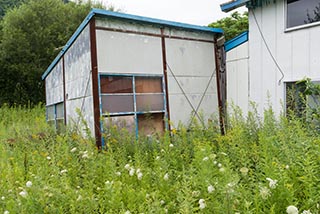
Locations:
(210, 189)
(127, 212)
(127, 166)
(244, 171)
(63, 171)
(48, 158)
(205, 159)
(73, 149)
(138, 170)
(132, 171)
(292, 210)
(118, 173)
(6, 212)
(85, 155)
(215, 162)
(287, 167)
(219, 165)
(98, 188)
(3, 198)
(158, 157)
(202, 204)
(23, 193)
(79, 198)
(221, 169)
(272, 183)
(166, 177)
(162, 202)
(306, 212)
(264, 192)
(225, 154)
(171, 145)
(28, 184)
(139, 175)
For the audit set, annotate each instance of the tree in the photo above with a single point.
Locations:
(31, 35)
(232, 26)
(7, 5)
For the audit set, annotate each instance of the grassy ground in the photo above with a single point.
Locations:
(258, 167)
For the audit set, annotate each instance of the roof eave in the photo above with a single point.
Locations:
(228, 6)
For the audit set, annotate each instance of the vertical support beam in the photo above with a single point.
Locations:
(64, 92)
(95, 83)
(221, 102)
(165, 74)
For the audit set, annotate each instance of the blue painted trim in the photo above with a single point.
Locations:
(236, 41)
(100, 107)
(135, 105)
(231, 5)
(115, 15)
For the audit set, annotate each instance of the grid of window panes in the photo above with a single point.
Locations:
(55, 115)
(302, 12)
(133, 102)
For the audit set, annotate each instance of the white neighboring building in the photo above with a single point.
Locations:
(284, 48)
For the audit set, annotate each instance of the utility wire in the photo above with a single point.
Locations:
(265, 43)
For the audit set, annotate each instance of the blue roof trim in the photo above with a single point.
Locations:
(123, 16)
(236, 41)
(228, 6)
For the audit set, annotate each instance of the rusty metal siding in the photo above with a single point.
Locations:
(78, 81)
(128, 53)
(54, 85)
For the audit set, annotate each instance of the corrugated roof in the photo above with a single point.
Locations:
(123, 16)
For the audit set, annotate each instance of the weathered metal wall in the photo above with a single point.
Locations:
(295, 51)
(238, 77)
(128, 53)
(78, 81)
(138, 50)
(54, 85)
(191, 77)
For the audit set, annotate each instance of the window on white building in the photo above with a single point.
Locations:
(302, 12)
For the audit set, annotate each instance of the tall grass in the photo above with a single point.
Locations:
(259, 166)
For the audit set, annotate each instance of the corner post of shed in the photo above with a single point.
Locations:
(95, 83)
(221, 78)
(165, 73)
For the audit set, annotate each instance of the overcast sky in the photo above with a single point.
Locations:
(200, 12)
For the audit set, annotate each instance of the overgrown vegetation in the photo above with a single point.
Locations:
(259, 166)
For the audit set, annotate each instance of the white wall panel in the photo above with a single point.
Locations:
(192, 64)
(78, 80)
(295, 51)
(238, 76)
(54, 85)
(128, 53)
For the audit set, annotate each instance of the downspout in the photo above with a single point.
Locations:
(221, 81)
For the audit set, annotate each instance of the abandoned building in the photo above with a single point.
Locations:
(142, 74)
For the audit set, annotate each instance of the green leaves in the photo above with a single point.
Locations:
(232, 26)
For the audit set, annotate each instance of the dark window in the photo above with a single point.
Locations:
(301, 12)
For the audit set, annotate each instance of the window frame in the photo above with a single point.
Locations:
(135, 111)
(55, 114)
(298, 27)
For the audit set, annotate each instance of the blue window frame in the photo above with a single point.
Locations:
(55, 115)
(135, 102)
